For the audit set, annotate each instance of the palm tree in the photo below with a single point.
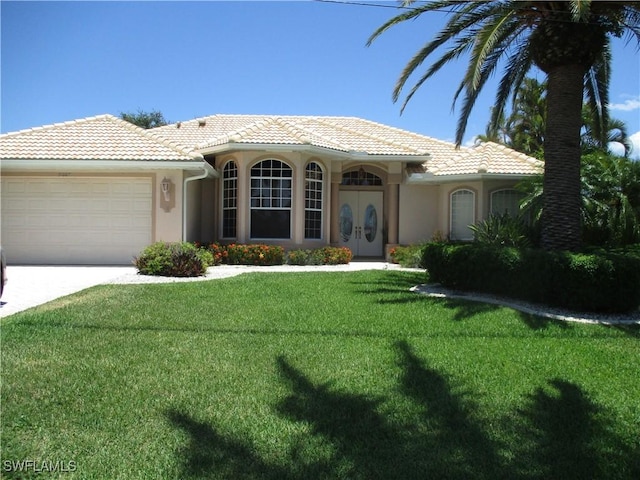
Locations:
(615, 131)
(568, 41)
(526, 123)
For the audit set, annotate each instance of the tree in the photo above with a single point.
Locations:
(610, 199)
(526, 123)
(615, 131)
(523, 130)
(144, 119)
(568, 41)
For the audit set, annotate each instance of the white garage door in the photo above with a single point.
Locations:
(75, 220)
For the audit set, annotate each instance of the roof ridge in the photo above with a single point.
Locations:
(57, 125)
(147, 133)
(415, 134)
(375, 137)
(234, 136)
(308, 132)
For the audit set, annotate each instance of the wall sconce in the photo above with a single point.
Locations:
(165, 186)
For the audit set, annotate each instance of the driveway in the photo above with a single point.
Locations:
(29, 286)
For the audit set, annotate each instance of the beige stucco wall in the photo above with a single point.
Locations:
(418, 213)
(168, 215)
(297, 161)
(424, 210)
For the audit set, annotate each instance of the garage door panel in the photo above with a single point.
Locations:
(76, 219)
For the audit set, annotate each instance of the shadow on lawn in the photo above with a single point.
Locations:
(559, 433)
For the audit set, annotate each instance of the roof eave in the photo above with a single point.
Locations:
(21, 164)
(231, 147)
(433, 179)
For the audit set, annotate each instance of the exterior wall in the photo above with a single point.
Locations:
(168, 215)
(297, 162)
(418, 213)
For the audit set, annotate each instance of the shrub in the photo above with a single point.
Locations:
(409, 256)
(178, 259)
(600, 282)
(335, 255)
(501, 230)
(320, 256)
(254, 254)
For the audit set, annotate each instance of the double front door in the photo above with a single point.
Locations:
(361, 222)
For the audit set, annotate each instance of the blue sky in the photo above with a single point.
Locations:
(67, 60)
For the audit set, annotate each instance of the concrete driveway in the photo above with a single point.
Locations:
(29, 286)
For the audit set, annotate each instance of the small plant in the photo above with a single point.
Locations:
(503, 230)
(407, 256)
(178, 259)
(335, 255)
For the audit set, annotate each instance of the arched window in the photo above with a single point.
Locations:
(506, 201)
(271, 187)
(313, 201)
(462, 214)
(229, 199)
(361, 177)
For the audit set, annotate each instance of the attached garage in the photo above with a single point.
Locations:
(76, 220)
(93, 191)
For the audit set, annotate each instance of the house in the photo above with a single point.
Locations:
(98, 190)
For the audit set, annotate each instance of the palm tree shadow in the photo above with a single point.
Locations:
(208, 451)
(442, 442)
(566, 435)
(364, 442)
(458, 446)
(560, 433)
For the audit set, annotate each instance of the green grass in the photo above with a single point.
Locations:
(303, 375)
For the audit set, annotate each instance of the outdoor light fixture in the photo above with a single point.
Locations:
(166, 188)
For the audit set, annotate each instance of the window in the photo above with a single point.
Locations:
(462, 214)
(271, 184)
(361, 177)
(229, 199)
(506, 201)
(313, 201)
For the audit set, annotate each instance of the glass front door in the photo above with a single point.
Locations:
(361, 222)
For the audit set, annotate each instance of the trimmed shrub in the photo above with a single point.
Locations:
(177, 259)
(334, 255)
(320, 256)
(599, 282)
(255, 254)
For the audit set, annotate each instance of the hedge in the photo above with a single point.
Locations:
(601, 281)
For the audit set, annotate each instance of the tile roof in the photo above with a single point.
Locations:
(103, 137)
(106, 137)
(349, 135)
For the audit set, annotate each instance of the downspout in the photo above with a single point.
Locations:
(207, 172)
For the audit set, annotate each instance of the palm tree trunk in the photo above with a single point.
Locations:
(561, 220)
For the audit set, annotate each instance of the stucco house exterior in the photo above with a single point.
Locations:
(98, 190)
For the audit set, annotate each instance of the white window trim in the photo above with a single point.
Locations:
(321, 182)
(473, 213)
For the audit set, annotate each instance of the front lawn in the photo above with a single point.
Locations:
(312, 375)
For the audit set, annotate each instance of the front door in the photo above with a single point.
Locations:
(361, 222)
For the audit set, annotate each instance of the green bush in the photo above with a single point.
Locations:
(320, 256)
(407, 256)
(335, 255)
(178, 259)
(600, 282)
(255, 254)
(503, 230)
